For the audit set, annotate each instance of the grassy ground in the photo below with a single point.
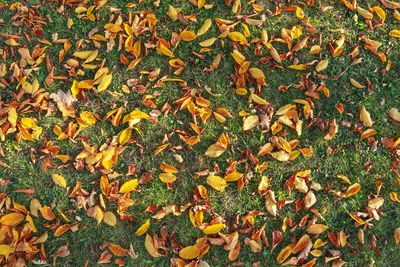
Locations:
(349, 157)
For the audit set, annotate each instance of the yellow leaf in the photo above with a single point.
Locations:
(125, 135)
(107, 157)
(143, 228)
(216, 182)
(376, 203)
(70, 22)
(165, 51)
(238, 37)
(129, 186)
(110, 219)
(149, 245)
(74, 88)
(83, 54)
(61, 230)
(241, 91)
(343, 178)
(280, 155)
(214, 151)
(394, 114)
(28, 123)
(136, 49)
(234, 176)
(172, 13)
(256, 73)
(315, 49)
(135, 115)
(204, 28)
(86, 119)
(59, 180)
(187, 36)
(246, 30)
(11, 219)
(92, 56)
(208, 42)
(300, 185)
(250, 122)
(365, 117)
(364, 13)
(104, 83)
(299, 13)
(160, 148)
(12, 116)
(316, 229)
(258, 99)
(213, 229)
(189, 253)
(6, 250)
(98, 214)
(356, 84)
(274, 53)
(238, 57)
(298, 67)
(322, 65)
(380, 12)
(395, 33)
(167, 177)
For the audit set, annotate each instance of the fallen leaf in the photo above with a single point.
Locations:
(59, 180)
(217, 183)
(143, 228)
(189, 253)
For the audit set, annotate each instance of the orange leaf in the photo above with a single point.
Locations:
(284, 254)
(47, 213)
(187, 36)
(189, 252)
(11, 219)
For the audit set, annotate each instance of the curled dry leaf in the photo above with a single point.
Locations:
(284, 254)
(397, 236)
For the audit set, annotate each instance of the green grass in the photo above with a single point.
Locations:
(349, 157)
